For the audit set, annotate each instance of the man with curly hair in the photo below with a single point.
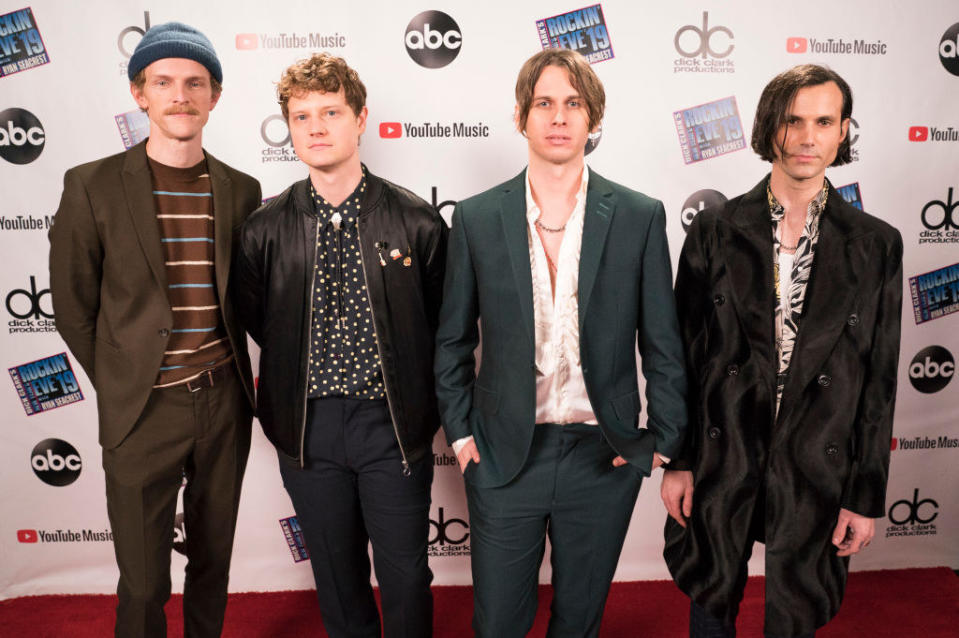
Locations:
(339, 280)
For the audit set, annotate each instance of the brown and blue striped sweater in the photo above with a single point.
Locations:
(184, 205)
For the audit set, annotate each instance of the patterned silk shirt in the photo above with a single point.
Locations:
(343, 355)
(789, 303)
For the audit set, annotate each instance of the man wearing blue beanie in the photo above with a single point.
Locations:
(139, 263)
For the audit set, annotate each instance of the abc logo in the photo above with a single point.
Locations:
(433, 39)
(32, 307)
(55, 462)
(704, 37)
(931, 369)
(21, 136)
(442, 528)
(275, 135)
(946, 221)
(949, 49)
(698, 201)
(911, 512)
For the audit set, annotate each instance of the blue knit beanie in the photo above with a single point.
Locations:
(174, 40)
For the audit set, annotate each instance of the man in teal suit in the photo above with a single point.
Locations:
(564, 271)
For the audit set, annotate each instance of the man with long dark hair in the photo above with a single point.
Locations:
(789, 301)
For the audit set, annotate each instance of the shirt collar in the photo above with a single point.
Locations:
(532, 210)
(349, 209)
(815, 208)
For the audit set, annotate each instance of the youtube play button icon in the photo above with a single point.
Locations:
(796, 45)
(391, 130)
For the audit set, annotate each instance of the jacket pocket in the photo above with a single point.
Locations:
(485, 400)
(627, 407)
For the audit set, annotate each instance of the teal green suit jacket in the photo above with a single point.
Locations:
(625, 298)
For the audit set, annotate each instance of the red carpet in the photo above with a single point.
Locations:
(905, 603)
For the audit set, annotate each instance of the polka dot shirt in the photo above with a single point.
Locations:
(343, 357)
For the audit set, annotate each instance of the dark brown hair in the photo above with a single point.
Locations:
(581, 76)
(777, 98)
(321, 72)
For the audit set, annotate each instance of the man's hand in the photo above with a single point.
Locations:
(657, 461)
(677, 493)
(466, 454)
(852, 533)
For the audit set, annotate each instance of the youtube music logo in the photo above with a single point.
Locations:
(391, 130)
(27, 535)
(246, 41)
(796, 45)
(918, 133)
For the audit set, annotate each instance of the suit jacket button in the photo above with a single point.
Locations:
(824, 380)
(719, 300)
(164, 332)
(732, 369)
(832, 450)
(853, 319)
(714, 432)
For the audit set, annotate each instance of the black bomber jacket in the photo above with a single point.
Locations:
(271, 285)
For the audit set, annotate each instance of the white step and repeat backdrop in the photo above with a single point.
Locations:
(440, 101)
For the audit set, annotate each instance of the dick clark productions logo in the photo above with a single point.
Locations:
(433, 39)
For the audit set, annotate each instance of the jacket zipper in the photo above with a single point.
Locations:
(306, 380)
(379, 351)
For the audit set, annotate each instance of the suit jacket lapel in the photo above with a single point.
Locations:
(138, 188)
(829, 295)
(600, 205)
(749, 256)
(222, 224)
(513, 217)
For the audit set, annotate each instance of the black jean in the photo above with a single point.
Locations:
(350, 493)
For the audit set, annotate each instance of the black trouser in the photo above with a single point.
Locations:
(204, 435)
(569, 490)
(352, 492)
(702, 625)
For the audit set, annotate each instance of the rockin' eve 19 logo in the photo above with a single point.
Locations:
(56, 462)
(276, 136)
(293, 534)
(433, 39)
(21, 136)
(913, 517)
(448, 536)
(949, 49)
(940, 219)
(583, 30)
(704, 49)
(931, 369)
(31, 309)
(699, 201)
(851, 194)
(21, 45)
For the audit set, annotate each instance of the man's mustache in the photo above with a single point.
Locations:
(178, 110)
